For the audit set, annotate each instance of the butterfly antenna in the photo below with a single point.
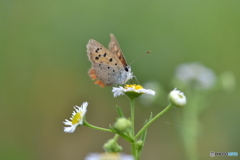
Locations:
(140, 57)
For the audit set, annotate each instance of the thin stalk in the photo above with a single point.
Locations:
(132, 115)
(134, 152)
(85, 123)
(152, 120)
(116, 137)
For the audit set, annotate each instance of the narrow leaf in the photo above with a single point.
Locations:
(150, 117)
(119, 112)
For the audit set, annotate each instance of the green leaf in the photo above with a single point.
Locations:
(150, 117)
(119, 112)
(144, 134)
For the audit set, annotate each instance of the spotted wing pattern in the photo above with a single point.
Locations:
(106, 67)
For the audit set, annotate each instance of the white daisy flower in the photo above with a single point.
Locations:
(76, 119)
(177, 98)
(195, 74)
(131, 91)
(109, 156)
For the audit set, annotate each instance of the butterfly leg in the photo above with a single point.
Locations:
(134, 77)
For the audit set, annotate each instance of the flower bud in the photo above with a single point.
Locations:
(112, 146)
(177, 98)
(122, 124)
(139, 144)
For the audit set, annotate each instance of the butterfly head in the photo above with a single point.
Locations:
(128, 74)
(127, 68)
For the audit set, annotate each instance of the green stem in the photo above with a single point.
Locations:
(116, 137)
(134, 152)
(152, 120)
(191, 120)
(85, 123)
(132, 115)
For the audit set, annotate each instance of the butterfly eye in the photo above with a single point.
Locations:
(127, 68)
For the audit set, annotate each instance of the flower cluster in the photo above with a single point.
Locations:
(123, 127)
(196, 75)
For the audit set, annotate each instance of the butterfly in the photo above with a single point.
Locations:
(109, 66)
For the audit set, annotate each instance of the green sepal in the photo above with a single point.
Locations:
(126, 137)
(112, 146)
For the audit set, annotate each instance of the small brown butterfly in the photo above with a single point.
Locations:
(109, 67)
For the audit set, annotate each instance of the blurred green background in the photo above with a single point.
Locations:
(44, 64)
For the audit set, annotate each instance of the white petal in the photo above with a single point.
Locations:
(84, 107)
(67, 122)
(118, 91)
(70, 129)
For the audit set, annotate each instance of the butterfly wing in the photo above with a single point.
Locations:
(116, 50)
(106, 67)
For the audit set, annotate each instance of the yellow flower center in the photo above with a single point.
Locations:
(77, 117)
(134, 86)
